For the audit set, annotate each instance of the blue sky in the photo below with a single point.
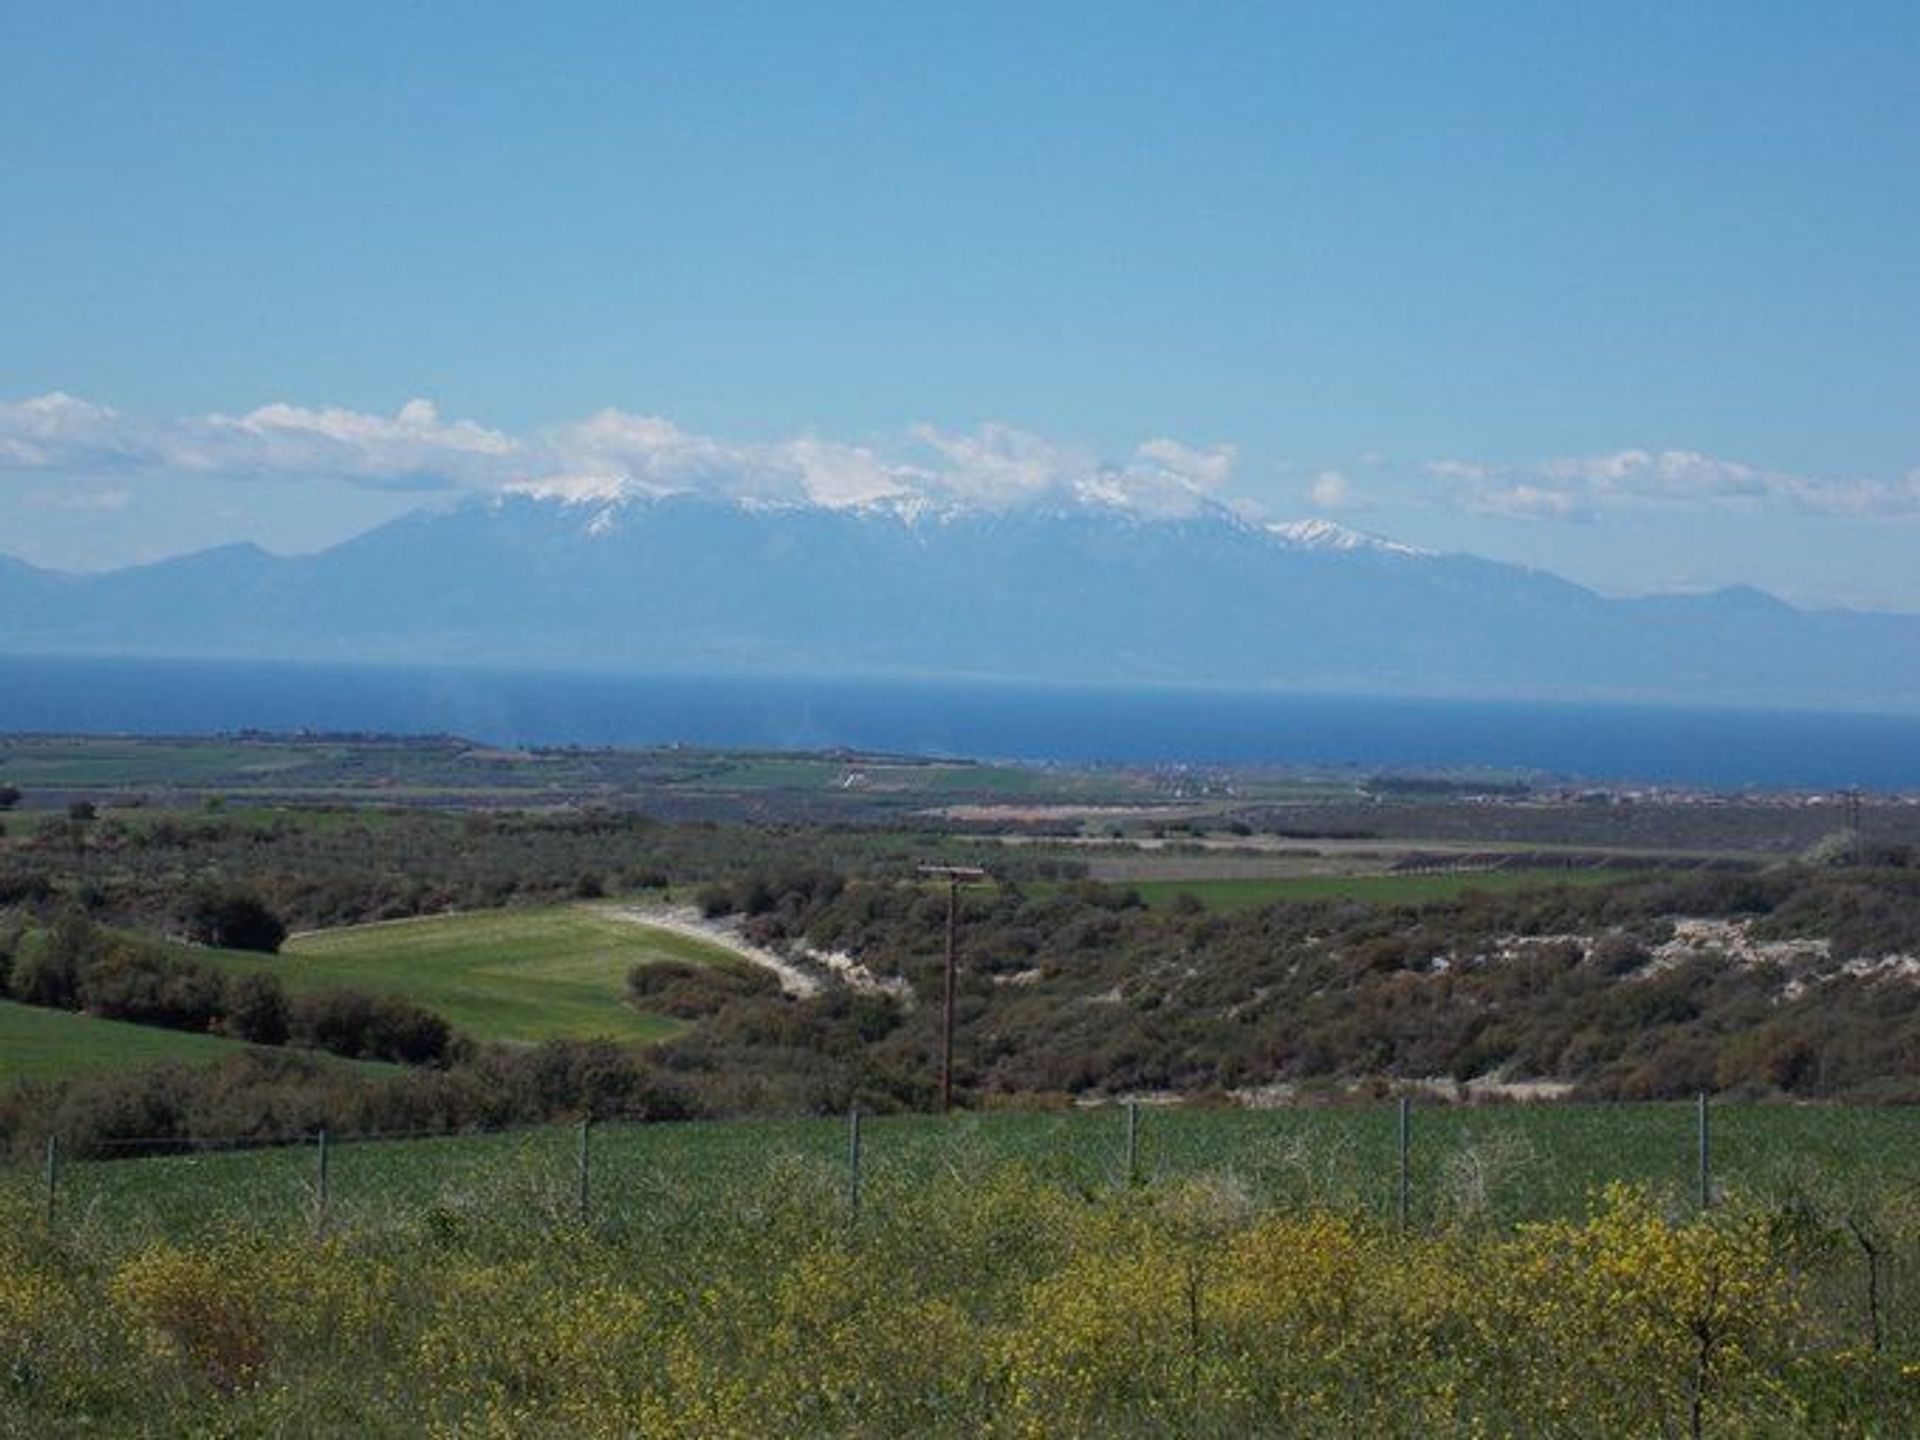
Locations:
(1628, 291)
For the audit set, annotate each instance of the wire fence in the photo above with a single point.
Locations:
(1404, 1163)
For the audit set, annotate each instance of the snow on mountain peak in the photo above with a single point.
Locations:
(601, 497)
(1326, 535)
(614, 458)
(586, 489)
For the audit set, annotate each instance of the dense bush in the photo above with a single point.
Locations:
(77, 965)
(277, 1094)
(686, 991)
(124, 980)
(235, 921)
(48, 972)
(370, 1027)
(256, 1009)
(1080, 988)
(318, 867)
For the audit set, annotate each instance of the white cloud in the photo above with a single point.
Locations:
(39, 433)
(1533, 502)
(1332, 490)
(413, 447)
(1580, 487)
(1457, 470)
(79, 499)
(1210, 469)
(998, 466)
(835, 474)
(1669, 474)
(992, 466)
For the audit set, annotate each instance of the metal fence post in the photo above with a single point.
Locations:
(320, 1178)
(853, 1162)
(1406, 1179)
(1133, 1141)
(582, 1175)
(53, 1175)
(1706, 1151)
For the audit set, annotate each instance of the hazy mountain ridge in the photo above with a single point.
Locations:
(680, 582)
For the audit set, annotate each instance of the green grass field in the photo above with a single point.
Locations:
(1380, 889)
(396, 770)
(40, 1044)
(32, 762)
(521, 975)
(1246, 893)
(518, 976)
(1497, 1164)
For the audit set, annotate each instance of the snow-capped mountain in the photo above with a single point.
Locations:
(575, 576)
(1326, 535)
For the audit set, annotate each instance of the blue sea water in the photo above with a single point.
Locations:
(1002, 720)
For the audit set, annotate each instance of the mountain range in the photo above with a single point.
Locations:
(686, 583)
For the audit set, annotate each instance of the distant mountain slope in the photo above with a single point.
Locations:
(1080, 592)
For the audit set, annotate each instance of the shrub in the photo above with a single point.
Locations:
(370, 1027)
(49, 973)
(236, 921)
(256, 1009)
(131, 982)
(687, 991)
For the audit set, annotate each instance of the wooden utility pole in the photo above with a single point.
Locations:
(953, 875)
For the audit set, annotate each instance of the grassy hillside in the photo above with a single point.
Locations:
(39, 1044)
(515, 975)
(518, 976)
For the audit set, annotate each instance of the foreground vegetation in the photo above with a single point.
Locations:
(724, 1284)
(1468, 1164)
